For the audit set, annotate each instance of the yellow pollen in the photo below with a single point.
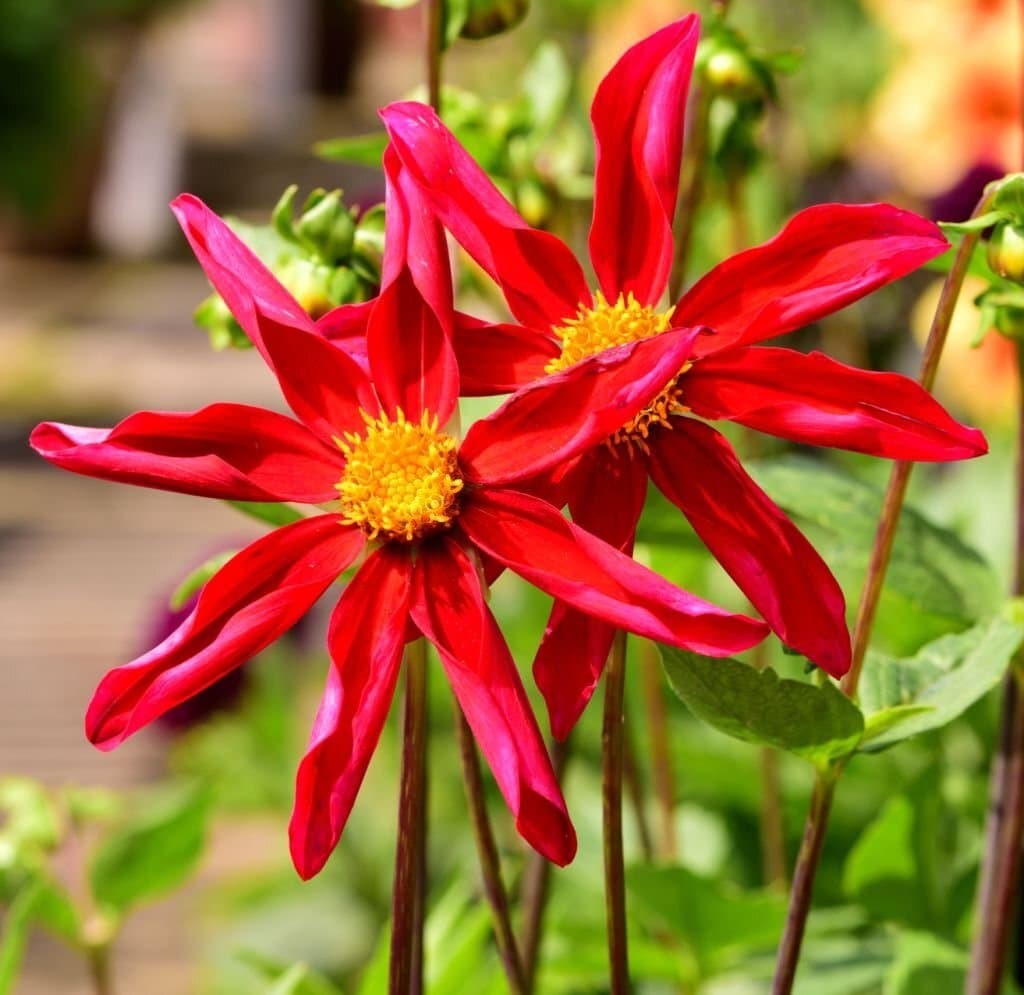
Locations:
(605, 325)
(401, 479)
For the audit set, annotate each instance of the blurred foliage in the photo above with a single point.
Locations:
(47, 103)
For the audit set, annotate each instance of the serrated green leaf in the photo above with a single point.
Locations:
(198, 578)
(269, 512)
(819, 724)
(360, 150)
(152, 853)
(946, 677)
(935, 583)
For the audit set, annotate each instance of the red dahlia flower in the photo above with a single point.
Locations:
(429, 514)
(826, 257)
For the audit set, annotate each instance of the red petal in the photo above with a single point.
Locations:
(554, 419)
(607, 498)
(346, 326)
(815, 400)
(450, 609)
(258, 595)
(760, 548)
(533, 539)
(499, 358)
(321, 383)
(541, 279)
(366, 638)
(236, 274)
(228, 451)
(409, 340)
(638, 114)
(825, 258)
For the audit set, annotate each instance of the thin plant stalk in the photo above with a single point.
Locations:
(537, 885)
(487, 851)
(1004, 831)
(662, 775)
(99, 960)
(691, 194)
(634, 782)
(434, 28)
(773, 837)
(824, 786)
(405, 975)
(612, 748)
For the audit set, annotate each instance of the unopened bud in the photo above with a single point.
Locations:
(491, 17)
(1006, 251)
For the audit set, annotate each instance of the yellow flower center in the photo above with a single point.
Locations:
(605, 325)
(401, 479)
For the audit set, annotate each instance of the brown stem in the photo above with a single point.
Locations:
(821, 801)
(98, 956)
(536, 885)
(739, 231)
(691, 193)
(434, 27)
(611, 780)
(407, 902)
(1000, 867)
(803, 881)
(773, 837)
(634, 782)
(487, 851)
(900, 475)
(661, 750)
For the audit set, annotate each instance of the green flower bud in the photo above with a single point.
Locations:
(368, 247)
(1009, 321)
(1006, 251)
(729, 72)
(310, 283)
(327, 228)
(490, 17)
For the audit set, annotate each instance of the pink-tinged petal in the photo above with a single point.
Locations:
(827, 257)
(366, 637)
(554, 419)
(759, 547)
(450, 609)
(236, 274)
(607, 497)
(499, 358)
(346, 326)
(258, 595)
(230, 451)
(539, 276)
(533, 539)
(322, 384)
(638, 115)
(813, 399)
(409, 340)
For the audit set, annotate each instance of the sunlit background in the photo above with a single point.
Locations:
(108, 108)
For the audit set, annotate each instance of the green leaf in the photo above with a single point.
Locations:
(294, 979)
(935, 583)
(198, 578)
(455, 13)
(152, 853)
(360, 150)
(926, 965)
(938, 683)
(16, 926)
(817, 723)
(268, 511)
(716, 923)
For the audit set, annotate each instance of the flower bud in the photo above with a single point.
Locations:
(729, 71)
(491, 17)
(327, 228)
(1006, 251)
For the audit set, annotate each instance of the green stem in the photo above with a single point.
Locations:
(98, 956)
(691, 194)
(821, 801)
(612, 744)
(536, 886)
(434, 28)
(408, 896)
(1001, 862)
(773, 837)
(487, 851)
(634, 782)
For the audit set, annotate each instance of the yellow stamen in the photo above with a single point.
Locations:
(605, 325)
(401, 479)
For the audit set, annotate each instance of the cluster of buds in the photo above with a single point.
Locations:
(330, 254)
